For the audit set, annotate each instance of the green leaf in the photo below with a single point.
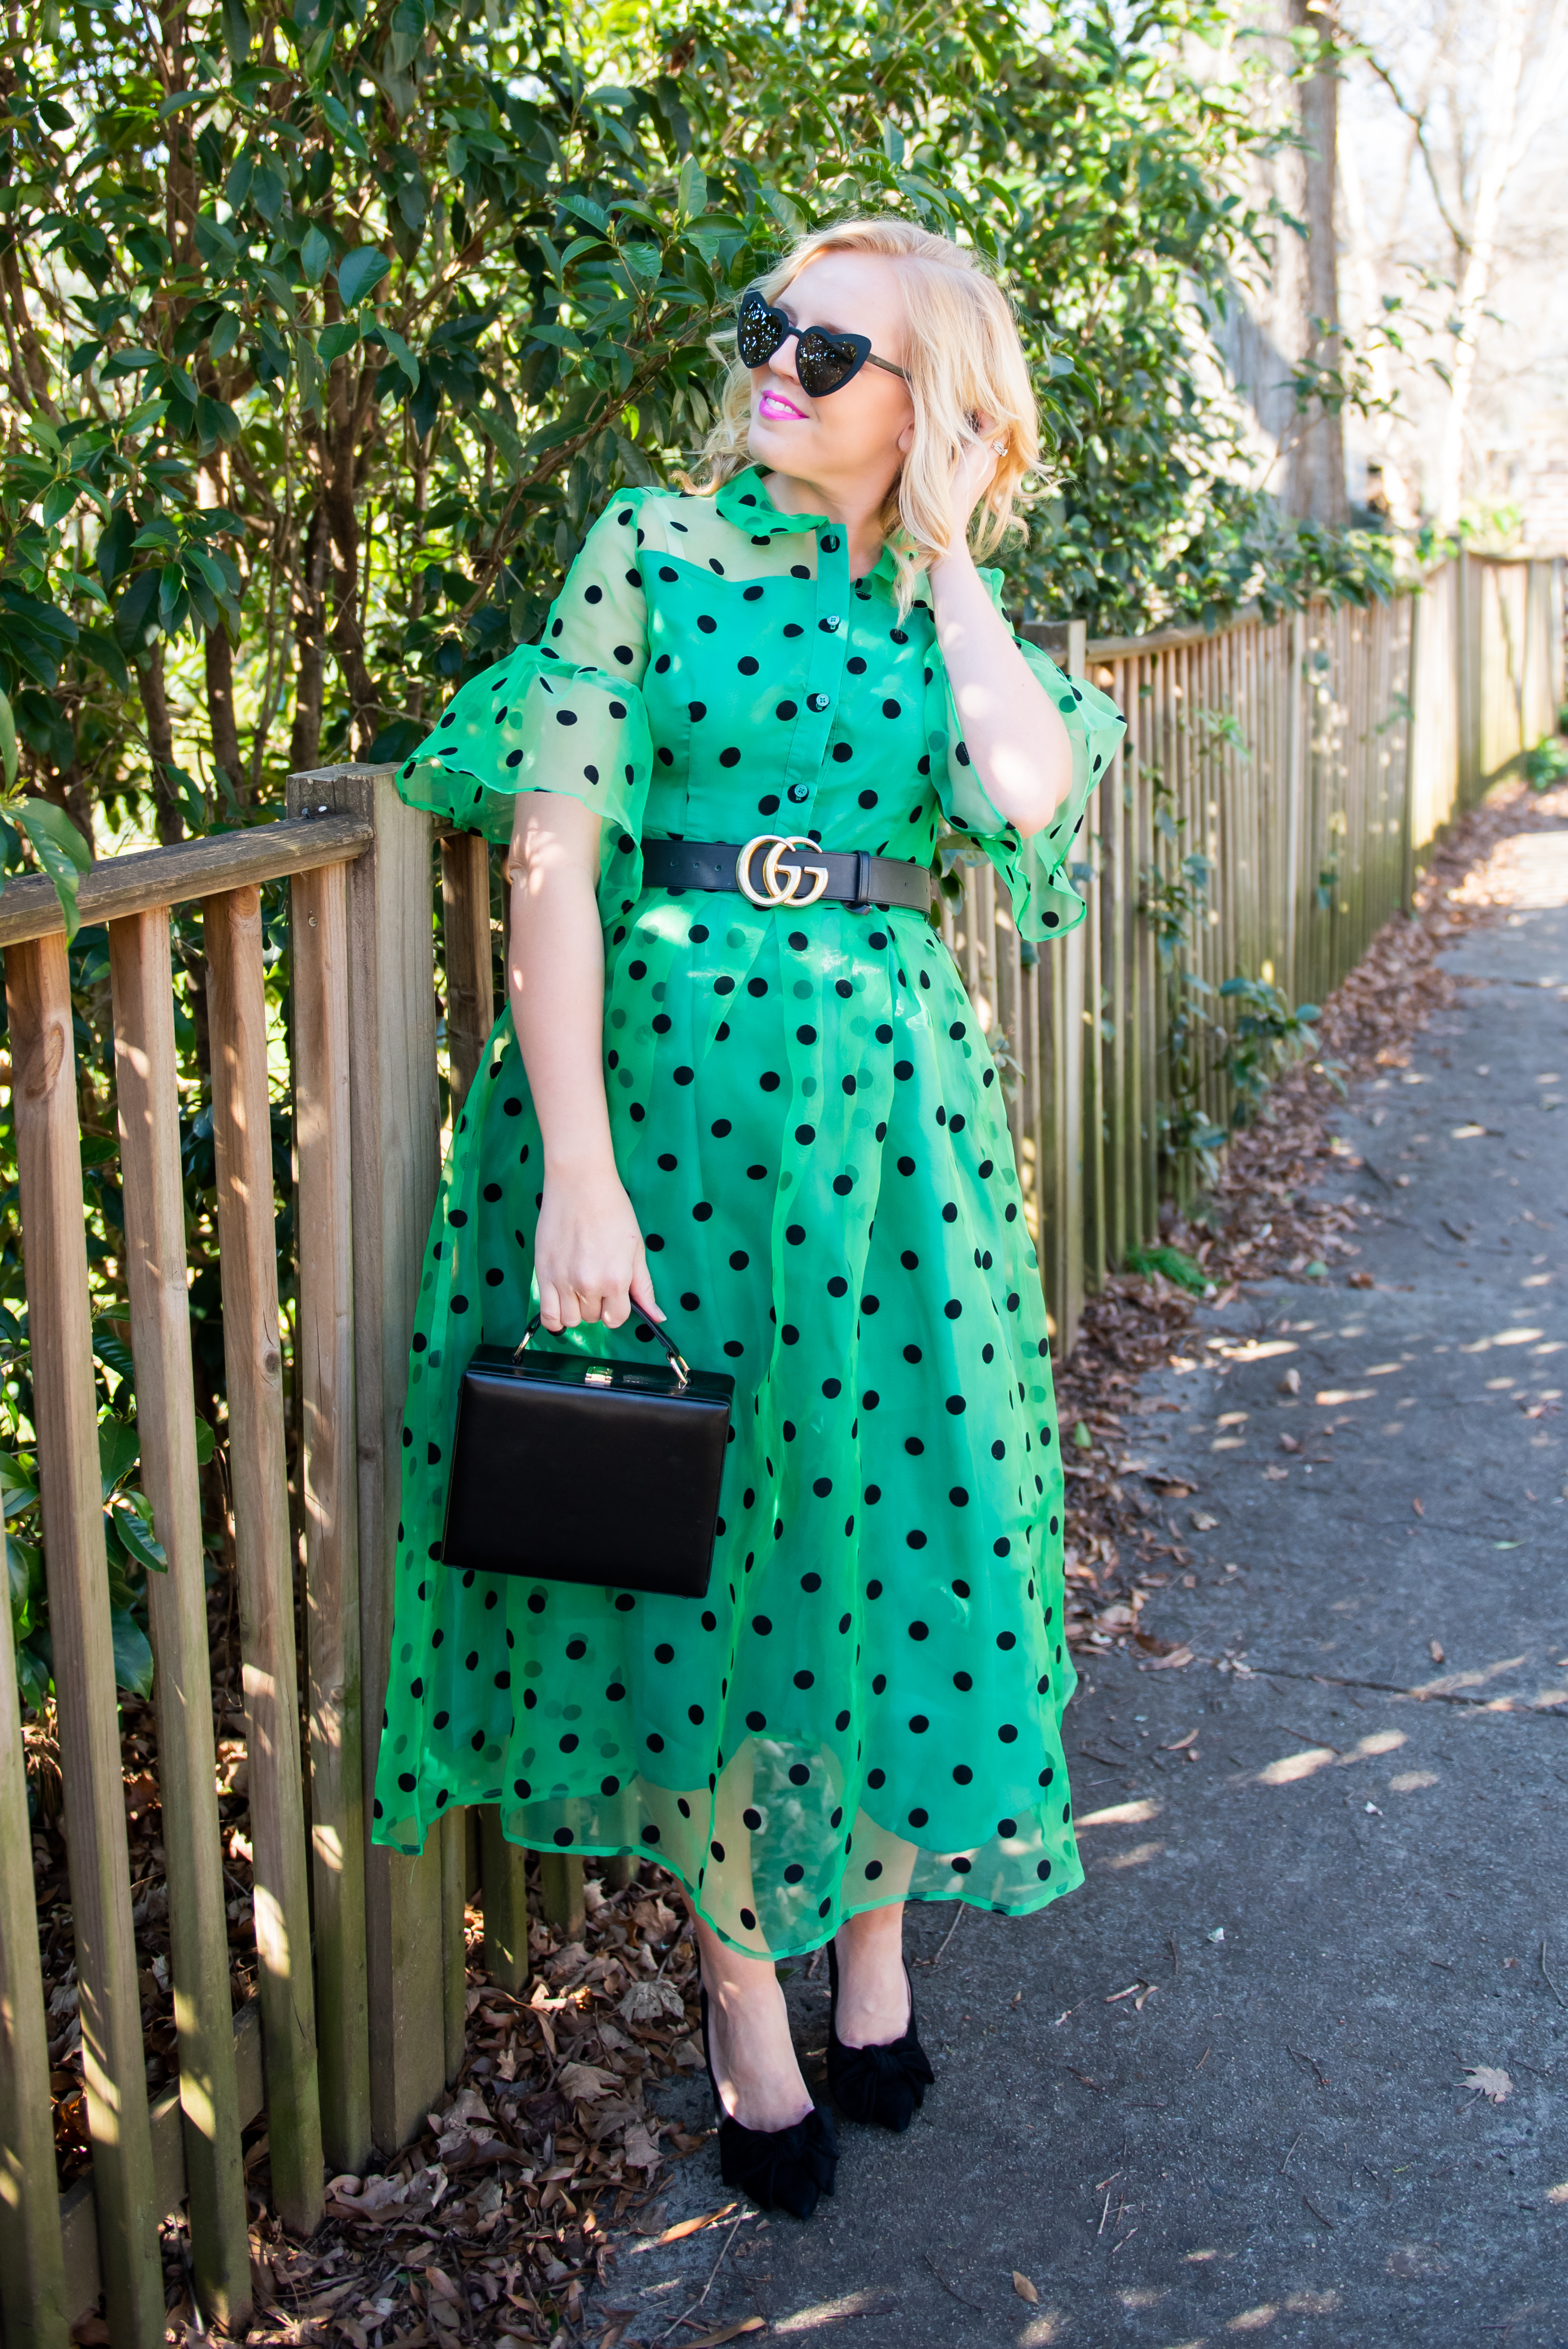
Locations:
(333, 340)
(61, 850)
(342, 123)
(315, 255)
(115, 541)
(404, 357)
(133, 1655)
(237, 35)
(109, 1347)
(1176, 1267)
(357, 271)
(119, 1449)
(586, 209)
(101, 647)
(25, 1573)
(785, 211)
(206, 1442)
(8, 741)
(132, 1516)
(691, 189)
(268, 189)
(309, 373)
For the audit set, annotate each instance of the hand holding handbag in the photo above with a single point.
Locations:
(570, 1469)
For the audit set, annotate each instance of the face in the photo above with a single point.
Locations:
(860, 432)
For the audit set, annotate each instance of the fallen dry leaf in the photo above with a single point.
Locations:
(1025, 2289)
(1276, 1476)
(1361, 1280)
(1173, 1662)
(1485, 2080)
(827, 2311)
(1435, 1649)
(1201, 1521)
(694, 2225)
(1288, 1444)
(728, 2332)
(1420, 1507)
(651, 2001)
(584, 2082)
(1291, 1383)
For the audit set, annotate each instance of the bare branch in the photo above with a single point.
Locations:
(1418, 122)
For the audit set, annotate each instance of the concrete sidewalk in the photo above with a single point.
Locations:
(1327, 1858)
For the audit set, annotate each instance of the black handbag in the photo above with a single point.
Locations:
(575, 1470)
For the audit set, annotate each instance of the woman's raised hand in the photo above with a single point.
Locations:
(589, 1260)
(973, 470)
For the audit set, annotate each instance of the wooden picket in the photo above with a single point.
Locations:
(147, 1108)
(1312, 759)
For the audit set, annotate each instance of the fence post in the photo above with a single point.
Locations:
(329, 1483)
(1061, 993)
(49, 1163)
(147, 1104)
(263, 1548)
(395, 1123)
(1415, 668)
(33, 2312)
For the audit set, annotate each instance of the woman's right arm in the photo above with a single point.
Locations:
(588, 1254)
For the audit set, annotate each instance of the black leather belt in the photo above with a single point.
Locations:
(786, 869)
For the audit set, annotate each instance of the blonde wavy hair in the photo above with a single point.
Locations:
(963, 360)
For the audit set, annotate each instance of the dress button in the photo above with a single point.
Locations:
(798, 791)
(831, 622)
(816, 701)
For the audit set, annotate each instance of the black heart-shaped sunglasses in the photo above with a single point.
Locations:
(823, 362)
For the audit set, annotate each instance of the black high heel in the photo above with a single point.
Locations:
(782, 2169)
(886, 2085)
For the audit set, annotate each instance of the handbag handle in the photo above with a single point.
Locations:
(681, 1368)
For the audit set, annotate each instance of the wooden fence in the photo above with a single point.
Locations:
(1309, 759)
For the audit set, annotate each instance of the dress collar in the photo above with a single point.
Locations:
(744, 500)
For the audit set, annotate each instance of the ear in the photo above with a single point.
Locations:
(906, 439)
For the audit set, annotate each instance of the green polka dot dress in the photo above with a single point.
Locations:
(867, 1706)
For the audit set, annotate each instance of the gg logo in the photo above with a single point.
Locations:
(773, 891)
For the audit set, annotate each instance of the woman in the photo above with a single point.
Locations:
(779, 1122)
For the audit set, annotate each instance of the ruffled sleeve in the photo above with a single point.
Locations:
(566, 715)
(1045, 903)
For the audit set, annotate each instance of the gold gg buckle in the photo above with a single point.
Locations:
(773, 874)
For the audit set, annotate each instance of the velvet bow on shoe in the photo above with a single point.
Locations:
(886, 2085)
(781, 2169)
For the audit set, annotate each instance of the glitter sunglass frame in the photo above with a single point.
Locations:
(824, 362)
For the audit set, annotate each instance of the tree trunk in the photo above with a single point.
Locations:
(347, 629)
(25, 333)
(310, 641)
(220, 721)
(68, 788)
(167, 813)
(1314, 477)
